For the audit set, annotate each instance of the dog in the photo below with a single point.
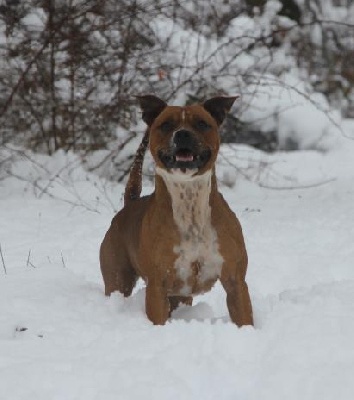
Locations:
(183, 237)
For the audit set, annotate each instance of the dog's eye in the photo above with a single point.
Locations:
(202, 125)
(167, 126)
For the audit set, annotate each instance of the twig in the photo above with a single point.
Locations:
(114, 152)
(2, 259)
(41, 189)
(28, 258)
(102, 188)
(62, 259)
(279, 83)
(244, 171)
(296, 187)
(29, 262)
(22, 77)
(36, 56)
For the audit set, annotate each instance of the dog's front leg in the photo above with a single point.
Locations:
(157, 305)
(237, 299)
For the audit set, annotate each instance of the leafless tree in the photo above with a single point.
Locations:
(69, 69)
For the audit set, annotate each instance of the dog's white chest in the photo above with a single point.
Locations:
(198, 262)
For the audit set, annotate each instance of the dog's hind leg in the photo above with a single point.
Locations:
(116, 268)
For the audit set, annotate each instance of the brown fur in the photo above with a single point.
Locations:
(155, 236)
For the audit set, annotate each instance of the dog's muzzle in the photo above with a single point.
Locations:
(185, 152)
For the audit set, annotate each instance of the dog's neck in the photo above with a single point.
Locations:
(190, 198)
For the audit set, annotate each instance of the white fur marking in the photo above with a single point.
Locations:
(183, 115)
(192, 214)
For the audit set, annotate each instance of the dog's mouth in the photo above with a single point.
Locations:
(184, 159)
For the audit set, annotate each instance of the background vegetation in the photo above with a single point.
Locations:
(69, 69)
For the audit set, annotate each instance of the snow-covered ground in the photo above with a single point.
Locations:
(61, 339)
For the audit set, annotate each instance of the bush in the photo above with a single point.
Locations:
(69, 70)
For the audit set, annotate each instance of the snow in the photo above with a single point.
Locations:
(302, 120)
(60, 338)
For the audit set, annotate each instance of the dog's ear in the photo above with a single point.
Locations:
(218, 107)
(151, 107)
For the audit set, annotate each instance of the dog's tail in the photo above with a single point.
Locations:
(134, 184)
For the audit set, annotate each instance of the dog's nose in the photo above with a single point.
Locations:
(183, 138)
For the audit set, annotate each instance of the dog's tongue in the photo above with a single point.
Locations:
(184, 157)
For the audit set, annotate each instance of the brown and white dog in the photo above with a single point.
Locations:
(182, 237)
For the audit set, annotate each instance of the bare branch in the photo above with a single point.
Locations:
(3, 261)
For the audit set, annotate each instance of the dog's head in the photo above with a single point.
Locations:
(184, 140)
